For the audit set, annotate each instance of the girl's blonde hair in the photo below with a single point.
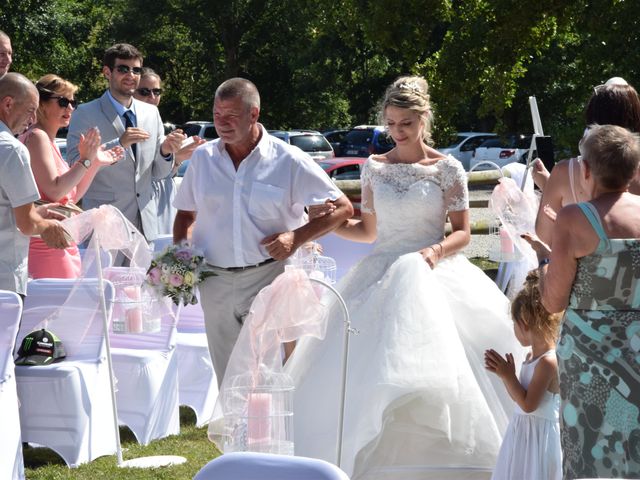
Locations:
(52, 85)
(411, 92)
(527, 308)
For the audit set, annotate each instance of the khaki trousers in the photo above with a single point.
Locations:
(226, 299)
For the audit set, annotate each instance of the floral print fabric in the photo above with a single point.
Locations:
(599, 362)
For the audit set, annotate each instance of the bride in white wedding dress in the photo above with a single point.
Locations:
(419, 403)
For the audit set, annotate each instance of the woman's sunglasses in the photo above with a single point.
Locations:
(146, 92)
(64, 102)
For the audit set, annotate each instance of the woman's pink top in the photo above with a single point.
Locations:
(46, 262)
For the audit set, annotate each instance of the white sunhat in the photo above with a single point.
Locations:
(616, 81)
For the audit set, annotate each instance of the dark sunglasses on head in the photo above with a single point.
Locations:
(124, 69)
(145, 92)
(64, 102)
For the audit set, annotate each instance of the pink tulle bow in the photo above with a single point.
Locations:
(516, 210)
(284, 311)
(112, 231)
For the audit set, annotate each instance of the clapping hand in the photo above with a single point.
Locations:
(539, 173)
(111, 156)
(550, 212)
(185, 152)
(89, 144)
(542, 249)
(172, 142)
(133, 135)
(501, 366)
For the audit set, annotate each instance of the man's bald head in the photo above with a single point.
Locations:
(18, 101)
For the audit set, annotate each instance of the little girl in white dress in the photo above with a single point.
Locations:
(531, 446)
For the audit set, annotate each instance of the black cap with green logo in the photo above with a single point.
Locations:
(40, 347)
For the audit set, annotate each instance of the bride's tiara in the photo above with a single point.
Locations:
(411, 86)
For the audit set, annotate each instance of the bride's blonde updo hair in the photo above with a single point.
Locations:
(411, 92)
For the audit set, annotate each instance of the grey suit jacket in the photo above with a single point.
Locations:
(126, 185)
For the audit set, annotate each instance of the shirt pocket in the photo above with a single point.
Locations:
(265, 201)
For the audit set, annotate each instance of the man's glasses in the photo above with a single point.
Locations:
(146, 92)
(64, 102)
(124, 69)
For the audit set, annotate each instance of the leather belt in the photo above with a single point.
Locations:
(246, 267)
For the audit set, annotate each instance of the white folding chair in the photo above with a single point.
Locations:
(345, 252)
(66, 406)
(197, 378)
(11, 464)
(265, 466)
(146, 369)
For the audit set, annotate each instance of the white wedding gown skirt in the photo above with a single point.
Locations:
(419, 403)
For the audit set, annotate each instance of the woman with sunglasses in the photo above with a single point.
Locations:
(56, 181)
(613, 103)
(164, 191)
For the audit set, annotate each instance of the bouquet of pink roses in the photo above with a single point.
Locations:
(176, 272)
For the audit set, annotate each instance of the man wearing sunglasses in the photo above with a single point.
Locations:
(137, 127)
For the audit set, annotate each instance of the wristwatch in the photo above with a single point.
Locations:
(86, 163)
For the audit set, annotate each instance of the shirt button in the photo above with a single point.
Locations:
(137, 194)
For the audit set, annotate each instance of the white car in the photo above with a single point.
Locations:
(500, 151)
(464, 145)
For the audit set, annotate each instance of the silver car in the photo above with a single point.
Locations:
(464, 144)
(309, 141)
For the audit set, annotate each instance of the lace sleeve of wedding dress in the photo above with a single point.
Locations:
(454, 185)
(366, 198)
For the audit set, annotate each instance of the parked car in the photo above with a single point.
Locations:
(365, 140)
(464, 144)
(343, 168)
(309, 141)
(501, 151)
(200, 128)
(335, 138)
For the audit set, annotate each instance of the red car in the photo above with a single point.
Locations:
(342, 168)
(345, 168)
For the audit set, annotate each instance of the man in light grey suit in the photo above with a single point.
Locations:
(136, 126)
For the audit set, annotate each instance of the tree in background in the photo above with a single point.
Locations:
(322, 65)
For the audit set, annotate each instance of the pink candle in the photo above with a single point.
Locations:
(506, 245)
(134, 320)
(134, 312)
(259, 421)
(132, 292)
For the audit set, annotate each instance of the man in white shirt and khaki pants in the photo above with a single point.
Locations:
(248, 191)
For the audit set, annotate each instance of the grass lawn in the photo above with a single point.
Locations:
(192, 443)
(490, 267)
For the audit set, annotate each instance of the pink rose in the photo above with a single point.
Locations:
(154, 275)
(175, 279)
(183, 255)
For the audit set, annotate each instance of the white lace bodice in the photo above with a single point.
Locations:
(411, 201)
